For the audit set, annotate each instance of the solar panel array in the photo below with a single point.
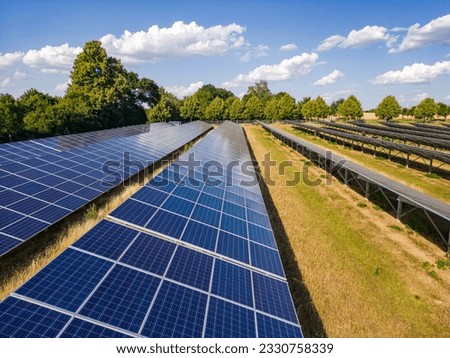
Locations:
(42, 181)
(191, 254)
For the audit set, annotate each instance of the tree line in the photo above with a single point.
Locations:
(102, 94)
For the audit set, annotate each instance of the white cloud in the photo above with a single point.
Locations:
(178, 40)
(180, 91)
(18, 75)
(330, 42)
(257, 51)
(330, 78)
(62, 87)
(6, 82)
(9, 59)
(416, 73)
(356, 38)
(287, 69)
(437, 31)
(288, 47)
(52, 57)
(448, 97)
(54, 71)
(420, 97)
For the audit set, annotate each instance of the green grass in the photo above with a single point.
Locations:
(425, 183)
(91, 212)
(361, 205)
(395, 227)
(365, 282)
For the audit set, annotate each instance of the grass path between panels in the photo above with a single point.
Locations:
(432, 185)
(366, 273)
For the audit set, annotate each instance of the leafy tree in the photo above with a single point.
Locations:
(272, 109)
(426, 109)
(350, 108)
(286, 107)
(205, 95)
(260, 90)
(335, 105)
(388, 108)
(215, 110)
(235, 110)
(322, 109)
(253, 109)
(300, 106)
(159, 112)
(189, 108)
(443, 110)
(37, 113)
(10, 118)
(309, 109)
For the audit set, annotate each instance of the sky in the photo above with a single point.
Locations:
(330, 48)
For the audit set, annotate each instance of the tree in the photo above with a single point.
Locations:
(388, 108)
(309, 109)
(235, 110)
(253, 109)
(215, 110)
(261, 90)
(189, 108)
(443, 110)
(272, 109)
(205, 95)
(10, 119)
(286, 106)
(300, 105)
(426, 109)
(159, 112)
(334, 106)
(37, 113)
(322, 109)
(350, 108)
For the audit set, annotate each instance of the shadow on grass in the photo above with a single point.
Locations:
(312, 325)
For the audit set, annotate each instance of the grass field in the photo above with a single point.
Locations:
(366, 274)
(432, 185)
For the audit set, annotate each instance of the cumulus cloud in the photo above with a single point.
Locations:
(52, 57)
(287, 69)
(330, 78)
(437, 31)
(6, 82)
(180, 91)
(288, 47)
(18, 75)
(62, 87)
(9, 59)
(356, 38)
(178, 40)
(416, 73)
(257, 51)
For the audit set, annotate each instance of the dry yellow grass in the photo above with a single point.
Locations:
(363, 270)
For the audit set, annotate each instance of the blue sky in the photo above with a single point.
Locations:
(307, 48)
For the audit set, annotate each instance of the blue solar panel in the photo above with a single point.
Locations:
(177, 312)
(7, 217)
(266, 259)
(210, 201)
(200, 235)
(25, 228)
(82, 329)
(191, 267)
(150, 196)
(28, 205)
(71, 202)
(22, 319)
(149, 253)
(206, 215)
(178, 205)
(256, 206)
(233, 246)
(232, 282)
(167, 223)
(7, 243)
(134, 212)
(226, 320)
(67, 281)
(269, 327)
(273, 296)
(107, 239)
(51, 213)
(8, 196)
(258, 218)
(111, 302)
(186, 193)
(234, 209)
(234, 225)
(261, 235)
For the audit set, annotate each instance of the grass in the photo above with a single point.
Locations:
(358, 271)
(425, 183)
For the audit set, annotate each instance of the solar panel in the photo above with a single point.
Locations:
(48, 179)
(175, 260)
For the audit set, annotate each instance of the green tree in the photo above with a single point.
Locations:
(236, 109)
(300, 105)
(334, 106)
(272, 109)
(215, 110)
(309, 110)
(322, 109)
(189, 108)
(286, 107)
(426, 109)
(37, 113)
(443, 110)
(253, 109)
(205, 95)
(260, 90)
(350, 108)
(388, 108)
(10, 118)
(159, 112)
